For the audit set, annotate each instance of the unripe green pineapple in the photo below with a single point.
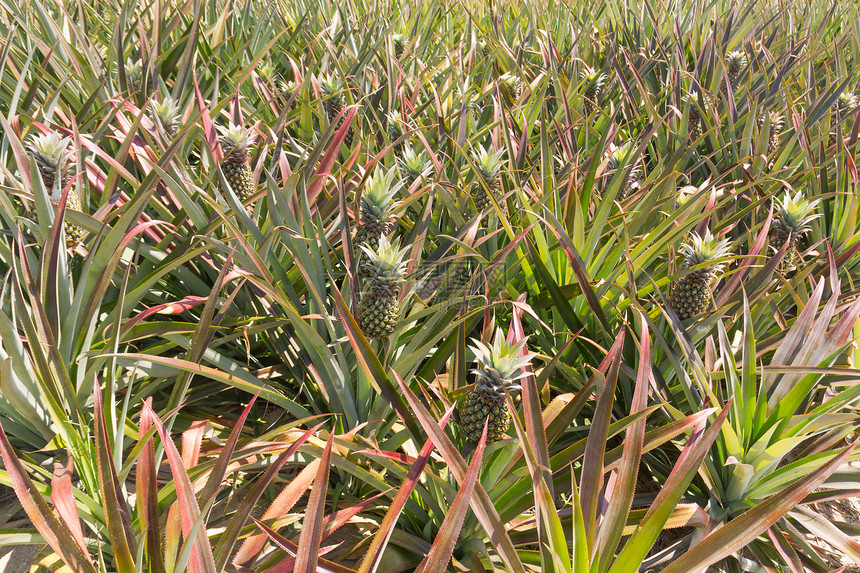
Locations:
(499, 368)
(378, 309)
(489, 166)
(691, 294)
(618, 158)
(398, 42)
(695, 123)
(776, 125)
(790, 224)
(134, 76)
(842, 107)
(334, 102)
(593, 82)
(166, 114)
(236, 142)
(412, 165)
(376, 209)
(510, 86)
(52, 154)
(736, 61)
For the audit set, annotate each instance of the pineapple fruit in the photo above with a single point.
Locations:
(334, 102)
(236, 142)
(691, 294)
(166, 114)
(412, 165)
(376, 209)
(736, 61)
(618, 156)
(510, 85)
(378, 308)
(594, 82)
(790, 224)
(776, 125)
(398, 43)
(499, 368)
(695, 122)
(52, 154)
(844, 104)
(489, 166)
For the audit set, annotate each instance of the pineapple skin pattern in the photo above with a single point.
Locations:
(690, 294)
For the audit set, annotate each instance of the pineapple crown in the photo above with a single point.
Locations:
(776, 120)
(133, 73)
(236, 141)
(593, 79)
(330, 84)
(488, 164)
(736, 60)
(413, 164)
(266, 70)
(377, 198)
(619, 153)
(846, 102)
(795, 212)
(501, 364)
(386, 265)
(691, 98)
(510, 81)
(50, 149)
(398, 41)
(705, 250)
(167, 112)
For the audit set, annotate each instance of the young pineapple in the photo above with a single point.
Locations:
(334, 102)
(166, 114)
(134, 76)
(594, 82)
(736, 61)
(500, 366)
(510, 85)
(695, 123)
(776, 125)
(52, 154)
(398, 42)
(618, 156)
(236, 142)
(690, 294)
(375, 212)
(378, 308)
(489, 166)
(790, 224)
(844, 104)
(412, 165)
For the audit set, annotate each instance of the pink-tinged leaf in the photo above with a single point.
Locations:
(483, 507)
(311, 537)
(371, 561)
(201, 560)
(443, 546)
(175, 307)
(64, 501)
(746, 527)
(192, 440)
(116, 511)
(323, 565)
(612, 526)
(147, 499)
(331, 154)
(210, 134)
(786, 551)
(52, 530)
(296, 488)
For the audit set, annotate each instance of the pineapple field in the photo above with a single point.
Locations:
(430, 286)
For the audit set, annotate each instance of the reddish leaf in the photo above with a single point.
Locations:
(309, 541)
(64, 501)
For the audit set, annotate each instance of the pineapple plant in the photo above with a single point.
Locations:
(52, 154)
(166, 114)
(134, 76)
(736, 61)
(412, 165)
(690, 294)
(776, 124)
(791, 224)
(334, 101)
(376, 209)
(618, 156)
(499, 368)
(236, 142)
(488, 165)
(594, 81)
(398, 42)
(378, 308)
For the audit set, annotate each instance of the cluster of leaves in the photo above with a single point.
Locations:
(187, 387)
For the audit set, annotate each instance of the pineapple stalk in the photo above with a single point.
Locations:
(690, 294)
(378, 308)
(499, 368)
